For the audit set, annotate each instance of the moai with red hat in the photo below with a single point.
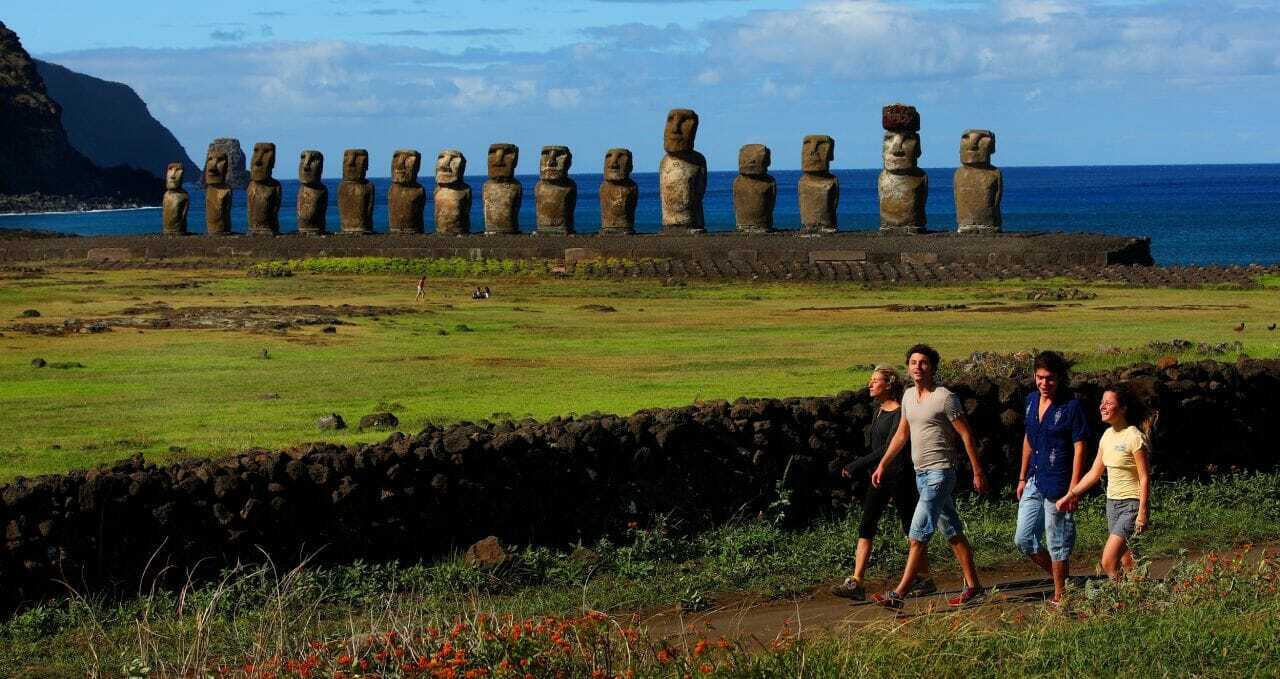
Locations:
(903, 186)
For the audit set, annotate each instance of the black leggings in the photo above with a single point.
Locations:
(901, 489)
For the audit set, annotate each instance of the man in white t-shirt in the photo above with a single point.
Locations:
(932, 419)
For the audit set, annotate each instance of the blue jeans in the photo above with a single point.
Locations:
(935, 510)
(1038, 516)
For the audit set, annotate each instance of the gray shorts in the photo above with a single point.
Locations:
(1121, 517)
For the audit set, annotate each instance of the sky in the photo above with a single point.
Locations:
(1060, 82)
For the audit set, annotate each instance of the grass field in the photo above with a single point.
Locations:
(537, 348)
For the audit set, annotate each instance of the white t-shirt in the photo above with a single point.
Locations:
(933, 441)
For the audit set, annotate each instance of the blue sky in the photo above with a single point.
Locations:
(1061, 82)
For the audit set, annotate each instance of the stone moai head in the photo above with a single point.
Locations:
(451, 166)
(215, 167)
(901, 137)
(355, 165)
(502, 161)
(264, 162)
(555, 163)
(976, 147)
(404, 167)
(617, 165)
(173, 177)
(754, 160)
(310, 167)
(817, 152)
(681, 130)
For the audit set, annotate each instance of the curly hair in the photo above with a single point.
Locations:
(927, 351)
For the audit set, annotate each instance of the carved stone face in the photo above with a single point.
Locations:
(555, 162)
(355, 165)
(976, 147)
(901, 150)
(617, 165)
(754, 160)
(451, 166)
(502, 161)
(404, 166)
(264, 161)
(215, 167)
(817, 152)
(681, 130)
(310, 167)
(173, 177)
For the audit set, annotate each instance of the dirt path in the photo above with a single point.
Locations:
(1009, 588)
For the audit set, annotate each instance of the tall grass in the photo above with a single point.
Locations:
(253, 614)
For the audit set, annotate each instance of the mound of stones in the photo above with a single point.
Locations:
(552, 482)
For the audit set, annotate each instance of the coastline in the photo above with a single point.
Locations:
(31, 204)
(79, 212)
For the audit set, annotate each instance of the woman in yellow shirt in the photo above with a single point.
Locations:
(1122, 453)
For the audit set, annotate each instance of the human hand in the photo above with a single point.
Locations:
(844, 471)
(1022, 485)
(1140, 525)
(979, 482)
(1065, 503)
(1072, 504)
(876, 476)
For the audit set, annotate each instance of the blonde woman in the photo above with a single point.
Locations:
(898, 486)
(1122, 454)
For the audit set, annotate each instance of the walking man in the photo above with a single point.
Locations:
(931, 420)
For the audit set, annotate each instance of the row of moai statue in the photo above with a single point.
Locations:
(682, 182)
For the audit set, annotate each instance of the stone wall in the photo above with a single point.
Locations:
(551, 482)
(843, 248)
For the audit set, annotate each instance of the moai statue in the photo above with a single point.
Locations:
(618, 194)
(555, 196)
(502, 193)
(406, 199)
(217, 194)
(754, 191)
(682, 175)
(313, 196)
(979, 186)
(452, 195)
(264, 192)
(355, 194)
(819, 190)
(904, 187)
(176, 201)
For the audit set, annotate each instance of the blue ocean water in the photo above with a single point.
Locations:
(1194, 214)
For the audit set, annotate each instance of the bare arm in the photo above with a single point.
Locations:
(1144, 487)
(899, 440)
(1084, 484)
(979, 477)
(1026, 462)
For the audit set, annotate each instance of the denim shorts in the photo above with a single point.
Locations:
(935, 510)
(1122, 515)
(1038, 516)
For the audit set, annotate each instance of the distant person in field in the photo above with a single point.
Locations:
(931, 420)
(422, 289)
(1123, 455)
(1052, 461)
(487, 293)
(897, 486)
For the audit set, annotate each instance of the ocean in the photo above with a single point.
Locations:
(1194, 214)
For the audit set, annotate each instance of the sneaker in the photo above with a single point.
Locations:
(967, 596)
(889, 600)
(1053, 603)
(850, 589)
(921, 586)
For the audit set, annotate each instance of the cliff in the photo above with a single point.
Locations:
(109, 123)
(36, 156)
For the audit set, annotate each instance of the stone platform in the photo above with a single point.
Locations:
(846, 249)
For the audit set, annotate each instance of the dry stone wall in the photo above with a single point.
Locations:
(551, 482)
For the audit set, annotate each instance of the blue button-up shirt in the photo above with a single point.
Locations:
(1053, 443)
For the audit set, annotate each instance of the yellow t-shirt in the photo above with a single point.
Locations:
(1117, 449)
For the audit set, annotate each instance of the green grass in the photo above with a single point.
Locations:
(533, 350)
(654, 568)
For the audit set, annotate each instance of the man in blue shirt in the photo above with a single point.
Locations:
(1052, 461)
